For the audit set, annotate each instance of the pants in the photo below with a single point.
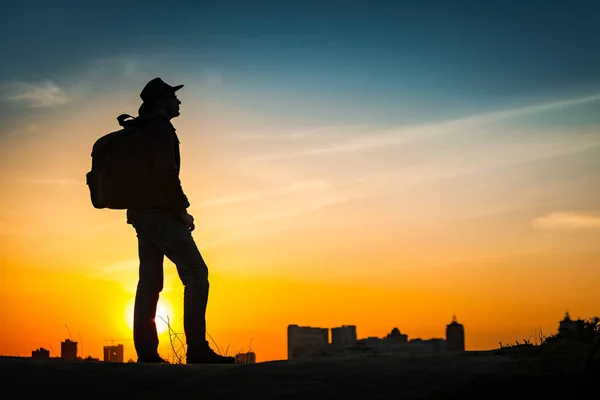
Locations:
(161, 234)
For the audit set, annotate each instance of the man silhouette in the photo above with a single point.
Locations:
(163, 227)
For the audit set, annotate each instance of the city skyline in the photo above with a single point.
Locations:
(332, 339)
(393, 163)
(115, 353)
(310, 341)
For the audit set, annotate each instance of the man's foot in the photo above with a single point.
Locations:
(153, 359)
(208, 356)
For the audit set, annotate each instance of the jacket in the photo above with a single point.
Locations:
(162, 185)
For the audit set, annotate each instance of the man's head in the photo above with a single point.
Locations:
(160, 97)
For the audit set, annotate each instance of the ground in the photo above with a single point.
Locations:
(469, 375)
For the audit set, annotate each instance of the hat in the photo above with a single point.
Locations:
(157, 88)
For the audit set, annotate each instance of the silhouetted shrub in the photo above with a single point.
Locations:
(583, 331)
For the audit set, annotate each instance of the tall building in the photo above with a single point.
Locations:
(305, 336)
(567, 327)
(68, 350)
(343, 336)
(40, 353)
(113, 353)
(455, 336)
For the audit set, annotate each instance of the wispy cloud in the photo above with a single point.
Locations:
(370, 139)
(100, 228)
(98, 74)
(121, 267)
(286, 134)
(274, 221)
(20, 131)
(114, 69)
(41, 94)
(567, 220)
(124, 272)
(64, 182)
(481, 158)
(300, 187)
(276, 209)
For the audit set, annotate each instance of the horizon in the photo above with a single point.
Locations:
(163, 330)
(381, 166)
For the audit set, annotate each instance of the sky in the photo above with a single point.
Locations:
(382, 164)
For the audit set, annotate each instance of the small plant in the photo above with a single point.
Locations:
(579, 340)
(179, 347)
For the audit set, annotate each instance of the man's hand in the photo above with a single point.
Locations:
(187, 220)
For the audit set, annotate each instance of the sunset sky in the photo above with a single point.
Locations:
(382, 164)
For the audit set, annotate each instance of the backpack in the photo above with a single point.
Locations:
(119, 167)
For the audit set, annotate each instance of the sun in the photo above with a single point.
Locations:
(164, 313)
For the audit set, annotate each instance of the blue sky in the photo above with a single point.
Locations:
(329, 94)
(392, 61)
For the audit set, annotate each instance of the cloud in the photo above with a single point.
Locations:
(409, 134)
(98, 75)
(59, 182)
(298, 187)
(125, 272)
(121, 267)
(275, 220)
(567, 220)
(100, 228)
(484, 157)
(276, 209)
(286, 134)
(20, 131)
(41, 94)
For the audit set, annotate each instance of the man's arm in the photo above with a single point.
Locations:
(161, 147)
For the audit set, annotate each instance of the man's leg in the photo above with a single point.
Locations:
(178, 245)
(149, 286)
(194, 275)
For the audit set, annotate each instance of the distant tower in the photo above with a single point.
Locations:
(455, 336)
(343, 336)
(567, 327)
(68, 350)
(113, 353)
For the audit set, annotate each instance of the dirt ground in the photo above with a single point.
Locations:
(469, 375)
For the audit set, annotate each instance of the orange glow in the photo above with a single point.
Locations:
(164, 314)
(285, 245)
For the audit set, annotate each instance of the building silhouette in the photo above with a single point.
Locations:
(246, 358)
(40, 353)
(301, 338)
(437, 345)
(307, 342)
(68, 350)
(567, 327)
(343, 336)
(396, 337)
(113, 353)
(397, 343)
(455, 336)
